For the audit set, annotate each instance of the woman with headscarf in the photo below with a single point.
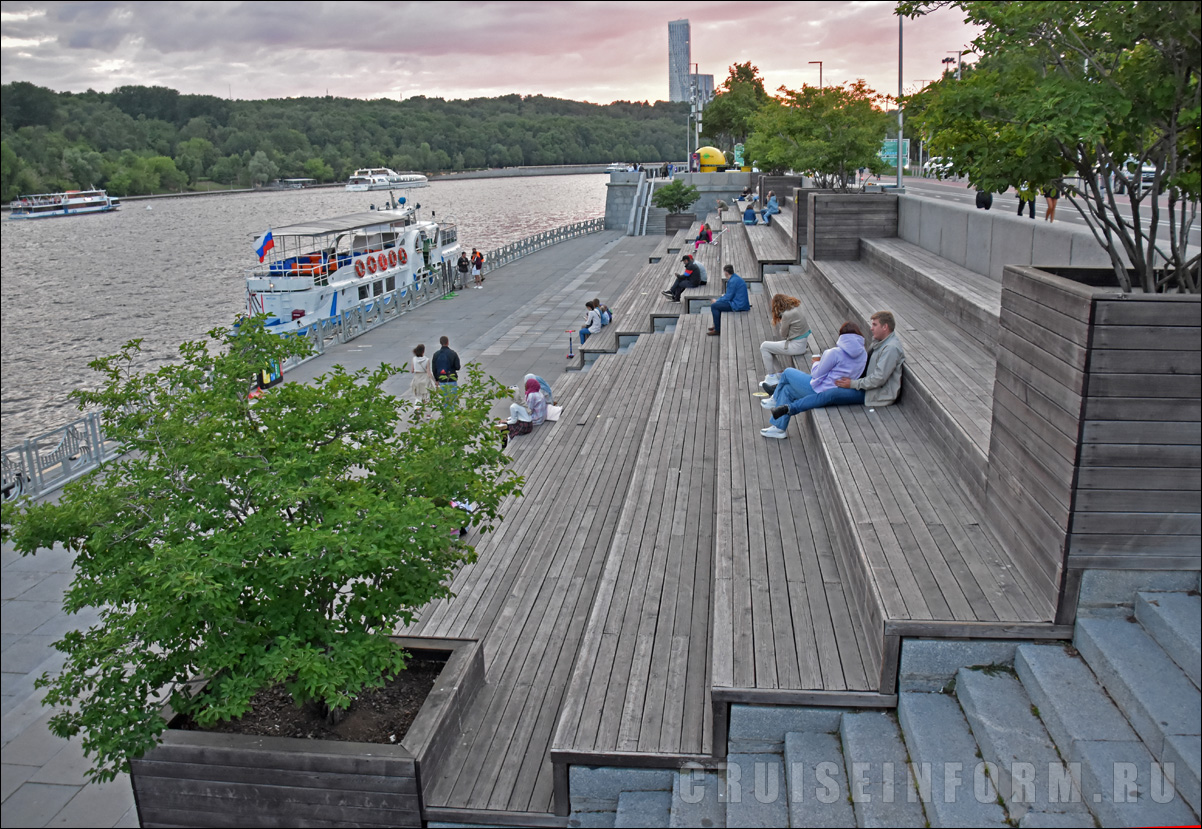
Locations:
(543, 385)
(523, 418)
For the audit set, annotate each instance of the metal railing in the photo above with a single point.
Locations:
(494, 259)
(51, 460)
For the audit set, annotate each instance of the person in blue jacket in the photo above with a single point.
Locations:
(735, 299)
(749, 214)
(772, 208)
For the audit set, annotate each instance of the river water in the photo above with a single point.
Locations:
(77, 288)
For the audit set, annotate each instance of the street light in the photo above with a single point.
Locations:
(958, 59)
(819, 72)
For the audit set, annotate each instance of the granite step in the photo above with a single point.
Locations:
(756, 791)
(1029, 774)
(1174, 620)
(1151, 690)
(817, 776)
(951, 778)
(650, 809)
(882, 788)
(698, 799)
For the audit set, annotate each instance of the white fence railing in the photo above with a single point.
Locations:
(51, 460)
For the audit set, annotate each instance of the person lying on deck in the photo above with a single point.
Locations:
(879, 386)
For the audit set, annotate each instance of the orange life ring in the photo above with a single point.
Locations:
(392, 258)
(404, 256)
(382, 260)
(359, 267)
(371, 264)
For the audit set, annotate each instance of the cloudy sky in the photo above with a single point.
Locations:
(590, 51)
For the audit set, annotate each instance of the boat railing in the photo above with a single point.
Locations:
(502, 256)
(53, 459)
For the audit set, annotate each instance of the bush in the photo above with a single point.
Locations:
(675, 197)
(252, 542)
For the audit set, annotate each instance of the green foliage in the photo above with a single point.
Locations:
(424, 134)
(254, 542)
(827, 133)
(728, 117)
(675, 197)
(1094, 90)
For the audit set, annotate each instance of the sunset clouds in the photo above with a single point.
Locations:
(597, 52)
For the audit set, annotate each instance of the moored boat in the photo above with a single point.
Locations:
(69, 203)
(316, 271)
(382, 178)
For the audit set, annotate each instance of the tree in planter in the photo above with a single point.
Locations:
(1096, 90)
(829, 133)
(254, 542)
(675, 197)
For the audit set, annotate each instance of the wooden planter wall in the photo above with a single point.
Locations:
(1094, 457)
(840, 220)
(198, 778)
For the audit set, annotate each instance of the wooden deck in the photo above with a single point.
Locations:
(641, 684)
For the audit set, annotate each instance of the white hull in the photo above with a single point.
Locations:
(53, 205)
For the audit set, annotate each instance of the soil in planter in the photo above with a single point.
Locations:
(379, 715)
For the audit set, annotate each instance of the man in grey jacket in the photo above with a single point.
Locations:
(881, 383)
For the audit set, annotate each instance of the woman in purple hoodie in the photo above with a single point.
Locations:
(802, 392)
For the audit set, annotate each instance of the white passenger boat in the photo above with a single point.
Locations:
(382, 178)
(70, 203)
(316, 271)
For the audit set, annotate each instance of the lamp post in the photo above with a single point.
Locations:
(958, 60)
(900, 20)
(819, 72)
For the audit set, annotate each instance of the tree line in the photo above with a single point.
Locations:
(141, 139)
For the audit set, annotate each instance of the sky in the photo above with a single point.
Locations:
(590, 51)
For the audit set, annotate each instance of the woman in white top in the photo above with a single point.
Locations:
(523, 418)
(423, 377)
(592, 321)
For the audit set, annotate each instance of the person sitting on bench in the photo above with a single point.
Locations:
(749, 214)
(693, 276)
(735, 299)
(704, 237)
(771, 209)
(879, 386)
(793, 330)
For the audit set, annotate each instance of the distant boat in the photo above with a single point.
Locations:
(69, 203)
(382, 178)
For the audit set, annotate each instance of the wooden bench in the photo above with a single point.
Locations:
(784, 630)
(912, 542)
(969, 300)
(947, 371)
(736, 252)
(774, 244)
(640, 686)
(528, 594)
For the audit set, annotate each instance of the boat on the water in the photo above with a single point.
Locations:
(69, 203)
(316, 271)
(382, 178)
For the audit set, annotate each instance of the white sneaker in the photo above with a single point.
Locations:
(768, 403)
(772, 379)
(773, 432)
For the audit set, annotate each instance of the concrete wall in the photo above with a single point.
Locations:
(712, 186)
(985, 241)
(619, 198)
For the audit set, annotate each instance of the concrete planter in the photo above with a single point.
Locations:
(197, 778)
(1094, 448)
(675, 222)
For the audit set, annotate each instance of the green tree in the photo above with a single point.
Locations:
(254, 542)
(1097, 90)
(317, 169)
(10, 166)
(826, 133)
(261, 168)
(675, 197)
(727, 119)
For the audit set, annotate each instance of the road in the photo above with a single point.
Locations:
(958, 191)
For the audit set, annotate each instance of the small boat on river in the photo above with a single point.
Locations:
(316, 271)
(69, 203)
(382, 178)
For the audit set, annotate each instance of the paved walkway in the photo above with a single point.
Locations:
(513, 326)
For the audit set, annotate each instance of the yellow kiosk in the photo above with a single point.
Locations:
(710, 159)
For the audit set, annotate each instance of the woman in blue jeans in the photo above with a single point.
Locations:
(801, 392)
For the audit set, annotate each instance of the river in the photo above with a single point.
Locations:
(77, 288)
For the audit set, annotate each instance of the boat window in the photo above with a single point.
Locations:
(363, 292)
(390, 283)
(377, 288)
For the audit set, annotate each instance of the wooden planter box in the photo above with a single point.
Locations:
(199, 778)
(1094, 449)
(675, 222)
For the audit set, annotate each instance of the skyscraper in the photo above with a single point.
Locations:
(679, 59)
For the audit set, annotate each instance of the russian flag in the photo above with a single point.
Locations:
(263, 244)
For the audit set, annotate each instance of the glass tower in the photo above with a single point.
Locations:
(679, 58)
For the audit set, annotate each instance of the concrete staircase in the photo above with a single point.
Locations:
(986, 733)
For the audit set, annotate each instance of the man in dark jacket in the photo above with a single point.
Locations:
(693, 276)
(445, 365)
